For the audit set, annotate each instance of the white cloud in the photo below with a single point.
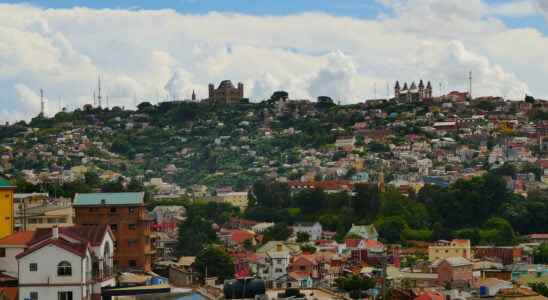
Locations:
(148, 54)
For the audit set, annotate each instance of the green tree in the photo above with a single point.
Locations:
(541, 254)
(302, 237)
(278, 232)
(308, 249)
(539, 287)
(216, 262)
(391, 228)
(195, 233)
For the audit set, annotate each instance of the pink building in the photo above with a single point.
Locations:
(454, 270)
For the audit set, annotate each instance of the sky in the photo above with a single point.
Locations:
(351, 50)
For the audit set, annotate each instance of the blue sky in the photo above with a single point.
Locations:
(366, 9)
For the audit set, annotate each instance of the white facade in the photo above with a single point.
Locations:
(314, 231)
(277, 262)
(43, 267)
(46, 281)
(8, 263)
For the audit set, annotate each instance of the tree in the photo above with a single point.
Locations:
(539, 287)
(392, 228)
(143, 105)
(302, 237)
(308, 249)
(366, 201)
(541, 254)
(354, 285)
(279, 95)
(278, 232)
(499, 232)
(216, 262)
(195, 233)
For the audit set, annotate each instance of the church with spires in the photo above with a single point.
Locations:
(413, 93)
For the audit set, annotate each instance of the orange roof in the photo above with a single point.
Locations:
(21, 238)
(431, 296)
(240, 236)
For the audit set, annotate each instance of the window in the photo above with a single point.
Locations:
(132, 263)
(113, 227)
(113, 209)
(131, 210)
(64, 269)
(115, 244)
(302, 268)
(131, 243)
(132, 226)
(2, 252)
(33, 295)
(33, 267)
(64, 295)
(278, 270)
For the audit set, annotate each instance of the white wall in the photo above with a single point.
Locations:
(9, 263)
(47, 259)
(50, 293)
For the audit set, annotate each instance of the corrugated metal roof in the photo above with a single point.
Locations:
(108, 199)
(4, 183)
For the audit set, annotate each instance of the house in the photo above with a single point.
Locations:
(430, 295)
(455, 248)
(238, 199)
(538, 238)
(10, 247)
(506, 255)
(128, 219)
(345, 144)
(490, 287)
(454, 270)
(519, 293)
(314, 230)
(183, 273)
(67, 263)
(277, 261)
(6, 207)
(306, 264)
(367, 232)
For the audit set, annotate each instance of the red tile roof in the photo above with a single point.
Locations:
(76, 248)
(352, 243)
(240, 236)
(92, 234)
(21, 238)
(431, 296)
(538, 236)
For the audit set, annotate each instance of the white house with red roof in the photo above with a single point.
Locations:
(67, 263)
(10, 247)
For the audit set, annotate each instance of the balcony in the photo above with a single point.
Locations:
(106, 274)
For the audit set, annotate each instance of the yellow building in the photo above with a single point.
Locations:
(238, 199)
(455, 248)
(6, 207)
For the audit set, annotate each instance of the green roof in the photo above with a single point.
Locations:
(108, 199)
(365, 231)
(4, 183)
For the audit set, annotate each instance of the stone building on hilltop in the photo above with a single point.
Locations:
(226, 93)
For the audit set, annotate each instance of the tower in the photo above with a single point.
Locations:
(422, 95)
(428, 91)
(211, 91)
(42, 103)
(397, 90)
(99, 97)
(6, 207)
(241, 89)
(193, 95)
(470, 87)
(382, 188)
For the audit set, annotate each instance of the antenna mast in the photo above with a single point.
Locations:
(99, 97)
(41, 102)
(470, 87)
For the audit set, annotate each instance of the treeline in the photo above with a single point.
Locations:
(482, 209)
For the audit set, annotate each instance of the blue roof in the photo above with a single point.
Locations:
(4, 183)
(109, 199)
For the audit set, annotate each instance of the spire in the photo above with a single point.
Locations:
(42, 103)
(193, 95)
(421, 84)
(397, 85)
(405, 86)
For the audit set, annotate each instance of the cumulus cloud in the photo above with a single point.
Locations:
(148, 54)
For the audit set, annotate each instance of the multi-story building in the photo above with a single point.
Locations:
(67, 263)
(314, 230)
(6, 207)
(129, 221)
(238, 199)
(455, 248)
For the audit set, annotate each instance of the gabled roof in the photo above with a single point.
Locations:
(453, 262)
(21, 239)
(92, 234)
(365, 231)
(75, 248)
(122, 199)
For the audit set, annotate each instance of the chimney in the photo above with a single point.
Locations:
(279, 247)
(55, 232)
